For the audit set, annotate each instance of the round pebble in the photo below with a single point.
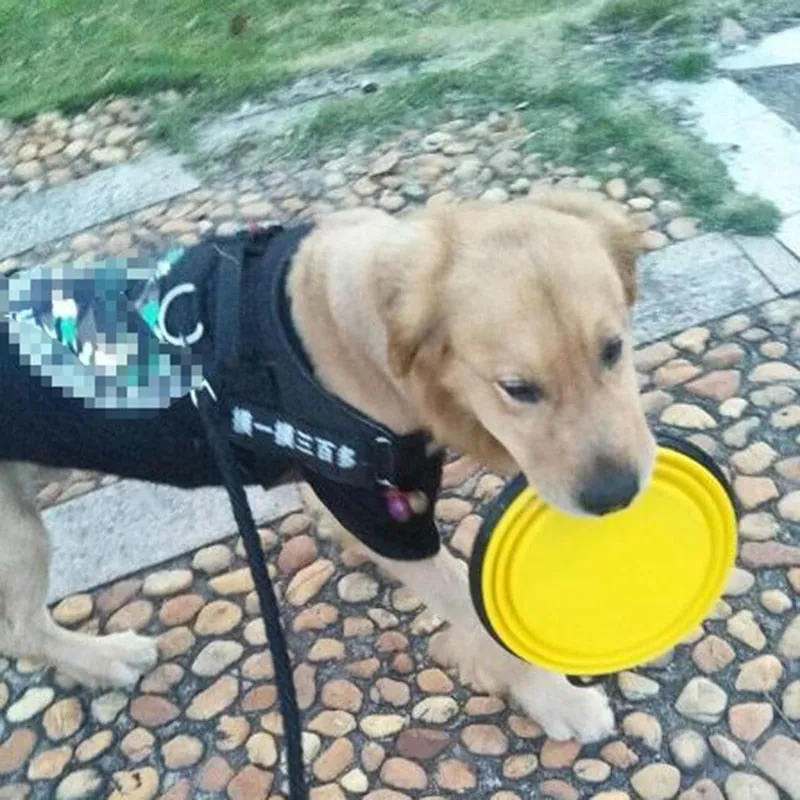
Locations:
(656, 782)
(182, 751)
(702, 700)
(380, 726)
(591, 770)
(745, 786)
(79, 785)
(727, 750)
(643, 727)
(32, 702)
(73, 610)
(636, 687)
(760, 674)
(689, 749)
(485, 740)
(357, 587)
(167, 582)
(775, 601)
(213, 559)
(63, 719)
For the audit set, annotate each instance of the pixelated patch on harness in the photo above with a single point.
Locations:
(91, 332)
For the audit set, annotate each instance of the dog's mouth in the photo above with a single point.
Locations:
(609, 490)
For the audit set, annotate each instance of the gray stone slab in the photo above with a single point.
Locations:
(96, 199)
(761, 150)
(695, 281)
(778, 89)
(773, 260)
(131, 525)
(777, 50)
(789, 234)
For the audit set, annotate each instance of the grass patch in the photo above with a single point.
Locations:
(68, 53)
(680, 16)
(646, 137)
(412, 101)
(645, 14)
(176, 125)
(689, 64)
(749, 215)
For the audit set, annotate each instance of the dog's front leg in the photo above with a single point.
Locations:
(26, 628)
(564, 711)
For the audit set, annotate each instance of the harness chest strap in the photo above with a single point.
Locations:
(265, 385)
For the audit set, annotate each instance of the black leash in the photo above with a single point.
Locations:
(205, 400)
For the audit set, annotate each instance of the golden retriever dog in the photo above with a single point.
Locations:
(503, 331)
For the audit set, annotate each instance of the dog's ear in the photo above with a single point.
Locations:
(412, 304)
(621, 237)
(410, 330)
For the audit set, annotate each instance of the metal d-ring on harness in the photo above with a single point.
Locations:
(180, 340)
(206, 402)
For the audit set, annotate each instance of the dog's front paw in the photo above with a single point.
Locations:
(131, 657)
(565, 711)
(116, 660)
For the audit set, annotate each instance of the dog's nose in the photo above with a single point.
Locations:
(610, 487)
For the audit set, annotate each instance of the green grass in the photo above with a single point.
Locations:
(689, 64)
(645, 14)
(748, 215)
(68, 53)
(406, 103)
(669, 16)
(176, 125)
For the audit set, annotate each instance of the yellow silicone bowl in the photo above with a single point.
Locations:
(592, 596)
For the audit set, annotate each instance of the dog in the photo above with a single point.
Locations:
(498, 331)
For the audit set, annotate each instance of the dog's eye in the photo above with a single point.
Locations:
(522, 391)
(612, 350)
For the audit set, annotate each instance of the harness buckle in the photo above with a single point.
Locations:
(384, 463)
(204, 387)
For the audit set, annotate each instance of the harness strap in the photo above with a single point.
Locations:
(227, 328)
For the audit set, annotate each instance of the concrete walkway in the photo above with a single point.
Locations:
(94, 200)
(129, 526)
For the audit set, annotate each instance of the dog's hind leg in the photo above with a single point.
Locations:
(26, 628)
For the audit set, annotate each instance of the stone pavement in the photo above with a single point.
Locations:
(383, 719)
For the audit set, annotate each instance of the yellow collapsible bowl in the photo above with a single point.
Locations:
(592, 596)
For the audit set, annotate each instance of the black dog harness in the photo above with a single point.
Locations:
(218, 313)
(221, 317)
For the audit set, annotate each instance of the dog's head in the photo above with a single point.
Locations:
(512, 333)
